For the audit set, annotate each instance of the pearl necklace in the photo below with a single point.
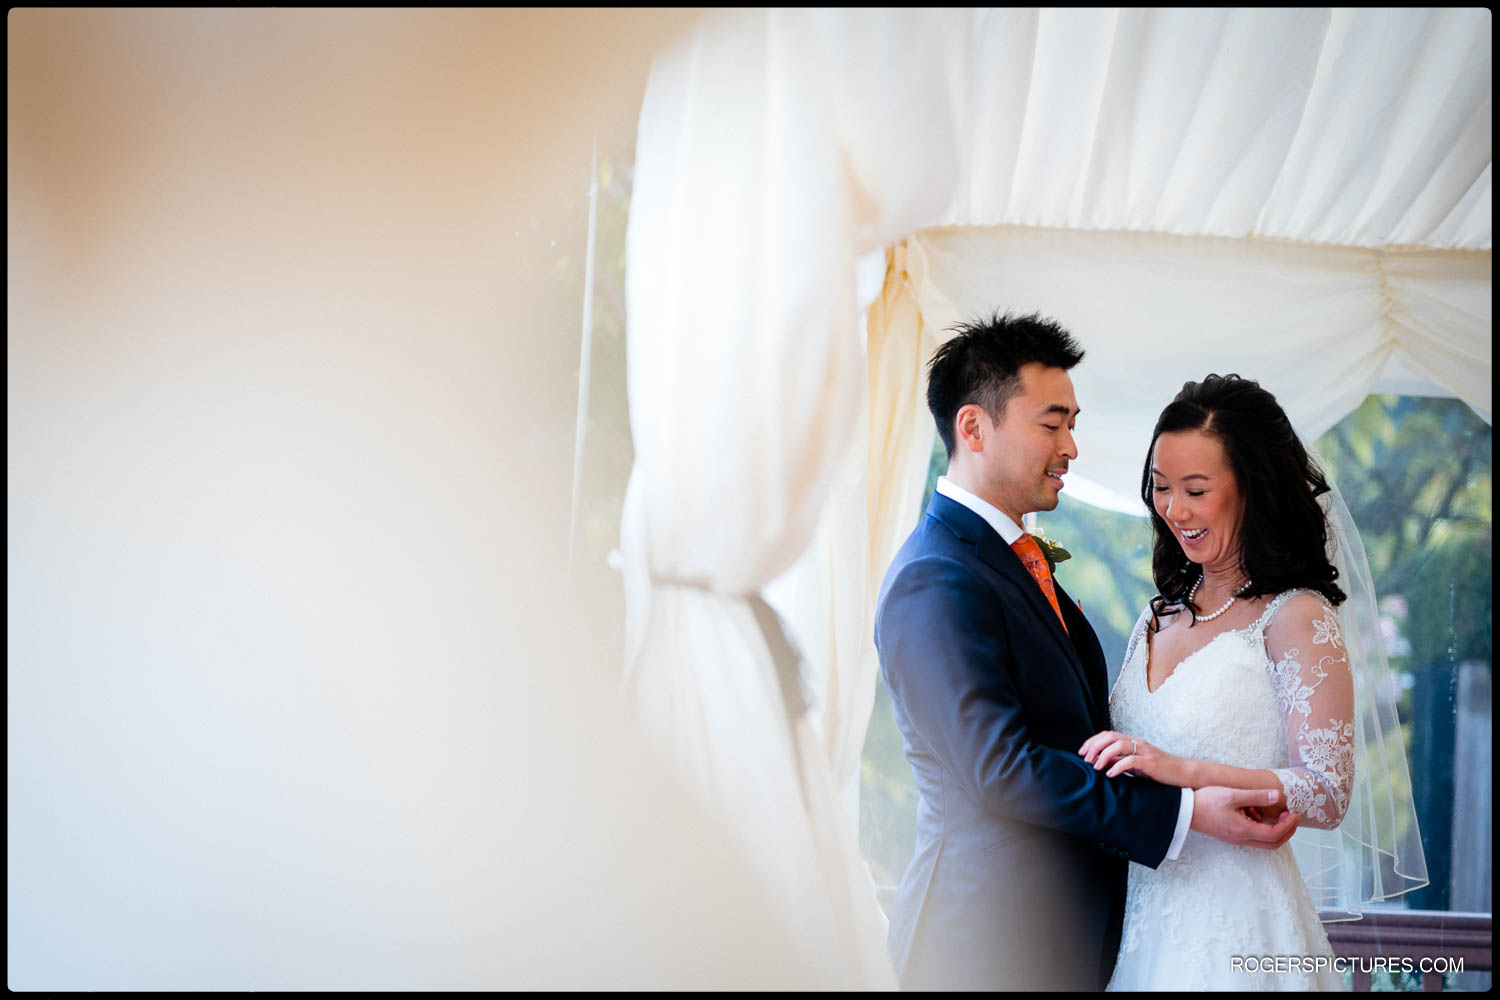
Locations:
(1232, 598)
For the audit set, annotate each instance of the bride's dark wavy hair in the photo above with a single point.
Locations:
(1284, 533)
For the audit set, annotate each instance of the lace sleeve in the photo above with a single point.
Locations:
(1310, 670)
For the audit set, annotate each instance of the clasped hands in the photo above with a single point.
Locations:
(1249, 817)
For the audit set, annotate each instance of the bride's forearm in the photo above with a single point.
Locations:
(1203, 773)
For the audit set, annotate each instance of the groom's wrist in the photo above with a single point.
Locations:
(1184, 823)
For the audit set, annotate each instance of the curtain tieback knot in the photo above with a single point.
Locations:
(784, 654)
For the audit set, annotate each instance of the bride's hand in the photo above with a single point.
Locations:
(1121, 753)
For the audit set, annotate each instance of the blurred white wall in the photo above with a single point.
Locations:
(294, 692)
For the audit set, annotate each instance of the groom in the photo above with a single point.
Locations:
(1018, 879)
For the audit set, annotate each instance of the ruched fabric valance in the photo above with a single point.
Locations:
(1321, 327)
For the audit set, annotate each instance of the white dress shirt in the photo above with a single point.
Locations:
(1010, 531)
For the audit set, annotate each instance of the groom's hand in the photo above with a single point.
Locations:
(1269, 814)
(1221, 813)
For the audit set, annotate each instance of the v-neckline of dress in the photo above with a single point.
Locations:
(1146, 669)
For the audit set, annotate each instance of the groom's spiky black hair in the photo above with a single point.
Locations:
(981, 365)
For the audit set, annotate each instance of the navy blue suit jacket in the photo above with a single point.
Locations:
(1018, 879)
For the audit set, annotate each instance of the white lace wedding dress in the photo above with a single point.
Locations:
(1274, 695)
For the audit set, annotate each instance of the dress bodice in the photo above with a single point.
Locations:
(1219, 704)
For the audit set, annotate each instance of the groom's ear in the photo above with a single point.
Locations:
(970, 426)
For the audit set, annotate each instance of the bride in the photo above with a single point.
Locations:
(1238, 674)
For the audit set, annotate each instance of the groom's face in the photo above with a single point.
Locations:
(1033, 442)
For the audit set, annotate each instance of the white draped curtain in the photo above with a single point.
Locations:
(746, 378)
(1301, 196)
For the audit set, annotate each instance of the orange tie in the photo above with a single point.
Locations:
(1036, 564)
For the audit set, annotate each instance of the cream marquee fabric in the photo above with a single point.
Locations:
(1321, 327)
(1301, 196)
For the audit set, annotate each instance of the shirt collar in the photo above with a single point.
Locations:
(993, 516)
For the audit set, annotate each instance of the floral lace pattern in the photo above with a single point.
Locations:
(1251, 699)
(1321, 691)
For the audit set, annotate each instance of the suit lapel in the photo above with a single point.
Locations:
(1000, 557)
(1086, 644)
(993, 552)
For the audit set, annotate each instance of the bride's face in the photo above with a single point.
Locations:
(1195, 492)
